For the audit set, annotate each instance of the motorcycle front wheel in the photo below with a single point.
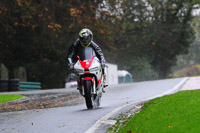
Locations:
(89, 98)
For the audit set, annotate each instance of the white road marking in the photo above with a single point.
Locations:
(109, 122)
(107, 116)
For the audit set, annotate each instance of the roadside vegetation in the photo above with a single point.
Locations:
(187, 71)
(6, 98)
(179, 112)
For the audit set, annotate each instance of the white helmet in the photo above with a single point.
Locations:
(85, 37)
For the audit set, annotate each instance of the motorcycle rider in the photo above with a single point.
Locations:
(85, 40)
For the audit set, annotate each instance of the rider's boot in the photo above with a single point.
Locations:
(104, 82)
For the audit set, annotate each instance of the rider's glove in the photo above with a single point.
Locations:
(71, 66)
(103, 63)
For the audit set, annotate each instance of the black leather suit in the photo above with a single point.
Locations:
(75, 48)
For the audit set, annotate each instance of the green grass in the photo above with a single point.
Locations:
(196, 76)
(5, 98)
(177, 113)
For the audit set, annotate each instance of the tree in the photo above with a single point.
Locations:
(37, 35)
(193, 56)
(172, 32)
(156, 30)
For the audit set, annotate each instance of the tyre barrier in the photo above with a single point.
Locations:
(17, 85)
(4, 85)
(14, 84)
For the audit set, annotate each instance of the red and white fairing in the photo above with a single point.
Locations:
(90, 70)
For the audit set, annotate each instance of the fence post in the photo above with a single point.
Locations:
(20, 73)
(3, 71)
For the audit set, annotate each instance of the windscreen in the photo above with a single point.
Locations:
(86, 53)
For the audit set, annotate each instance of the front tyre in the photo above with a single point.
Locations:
(89, 99)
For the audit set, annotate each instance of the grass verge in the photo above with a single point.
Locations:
(9, 97)
(196, 76)
(179, 112)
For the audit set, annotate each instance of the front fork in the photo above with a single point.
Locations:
(94, 90)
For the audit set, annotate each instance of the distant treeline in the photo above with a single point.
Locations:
(143, 37)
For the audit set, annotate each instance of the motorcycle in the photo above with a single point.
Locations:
(89, 77)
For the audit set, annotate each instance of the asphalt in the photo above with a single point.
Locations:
(62, 97)
(192, 84)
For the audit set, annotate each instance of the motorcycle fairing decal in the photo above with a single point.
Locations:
(99, 81)
(89, 78)
(86, 63)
